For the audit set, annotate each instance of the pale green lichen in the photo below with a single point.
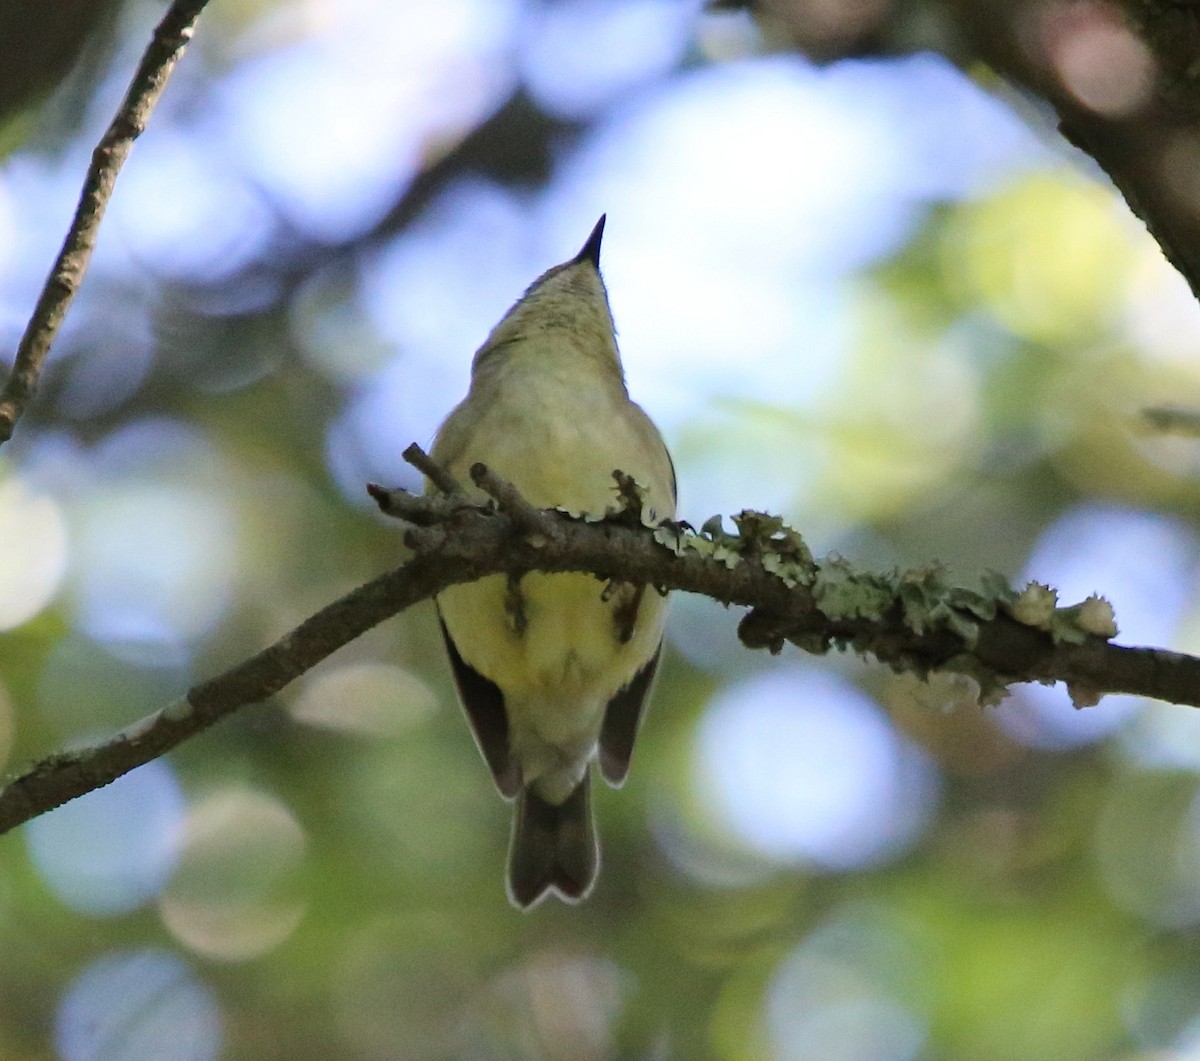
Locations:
(994, 592)
(922, 594)
(949, 618)
(930, 604)
(1035, 606)
(921, 598)
(841, 593)
(629, 504)
(791, 572)
(673, 537)
(1089, 618)
(992, 687)
(994, 586)
(780, 549)
(939, 692)
(1096, 617)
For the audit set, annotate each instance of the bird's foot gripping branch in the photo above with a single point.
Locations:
(914, 621)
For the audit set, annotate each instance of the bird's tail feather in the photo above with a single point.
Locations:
(553, 847)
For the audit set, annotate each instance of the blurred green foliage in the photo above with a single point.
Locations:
(338, 886)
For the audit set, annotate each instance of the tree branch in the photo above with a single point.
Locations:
(1142, 148)
(1121, 76)
(913, 621)
(170, 39)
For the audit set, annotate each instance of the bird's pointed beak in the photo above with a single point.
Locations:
(591, 249)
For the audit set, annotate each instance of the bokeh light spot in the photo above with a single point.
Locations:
(435, 295)
(804, 767)
(331, 330)
(1047, 256)
(154, 563)
(110, 851)
(577, 55)
(334, 126)
(835, 997)
(1044, 717)
(1162, 1013)
(234, 894)
(1163, 737)
(1145, 563)
(106, 350)
(364, 699)
(1162, 315)
(34, 558)
(1098, 58)
(138, 1005)
(184, 210)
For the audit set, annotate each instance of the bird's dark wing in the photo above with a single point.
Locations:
(621, 723)
(483, 702)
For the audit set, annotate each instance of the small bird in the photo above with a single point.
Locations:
(554, 671)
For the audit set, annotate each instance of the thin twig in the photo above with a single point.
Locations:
(63, 777)
(170, 39)
(433, 471)
(509, 499)
(423, 510)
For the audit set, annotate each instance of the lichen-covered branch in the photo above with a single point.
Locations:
(913, 621)
(166, 46)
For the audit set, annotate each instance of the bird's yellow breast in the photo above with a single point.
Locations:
(557, 434)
